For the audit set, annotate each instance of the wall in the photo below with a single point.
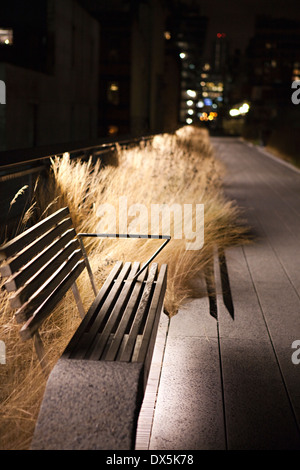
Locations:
(44, 109)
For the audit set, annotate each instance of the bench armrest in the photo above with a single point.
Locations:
(167, 238)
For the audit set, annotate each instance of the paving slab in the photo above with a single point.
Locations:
(258, 414)
(189, 410)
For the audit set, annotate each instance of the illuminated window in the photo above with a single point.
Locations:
(6, 37)
(113, 95)
(191, 93)
(113, 130)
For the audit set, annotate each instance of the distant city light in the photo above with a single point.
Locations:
(190, 102)
(182, 55)
(241, 110)
(167, 35)
(207, 101)
(189, 121)
(190, 111)
(208, 117)
(6, 36)
(234, 112)
(191, 93)
(244, 108)
(200, 104)
(114, 87)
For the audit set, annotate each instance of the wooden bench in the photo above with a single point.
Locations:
(94, 392)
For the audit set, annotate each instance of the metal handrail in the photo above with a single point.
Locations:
(167, 238)
(11, 158)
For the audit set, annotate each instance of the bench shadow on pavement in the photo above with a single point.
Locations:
(225, 284)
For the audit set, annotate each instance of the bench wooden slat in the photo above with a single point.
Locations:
(126, 351)
(87, 339)
(15, 264)
(31, 326)
(96, 305)
(152, 319)
(18, 243)
(20, 277)
(111, 353)
(34, 303)
(122, 347)
(24, 293)
(100, 341)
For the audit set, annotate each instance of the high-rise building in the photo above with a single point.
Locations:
(188, 28)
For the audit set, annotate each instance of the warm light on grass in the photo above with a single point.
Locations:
(170, 169)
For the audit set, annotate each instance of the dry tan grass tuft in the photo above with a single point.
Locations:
(170, 169)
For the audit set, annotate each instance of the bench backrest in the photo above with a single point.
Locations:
(42, 263)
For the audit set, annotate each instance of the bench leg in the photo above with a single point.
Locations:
(78, 300)
(40, 352)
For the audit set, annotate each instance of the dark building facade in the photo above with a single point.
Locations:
(273, 63)
(136, 91)
(49, 63)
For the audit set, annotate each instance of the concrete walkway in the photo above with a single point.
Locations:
(231, 383)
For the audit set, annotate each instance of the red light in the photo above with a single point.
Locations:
(221, 35)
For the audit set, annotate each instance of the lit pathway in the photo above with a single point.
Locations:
(232, 384)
